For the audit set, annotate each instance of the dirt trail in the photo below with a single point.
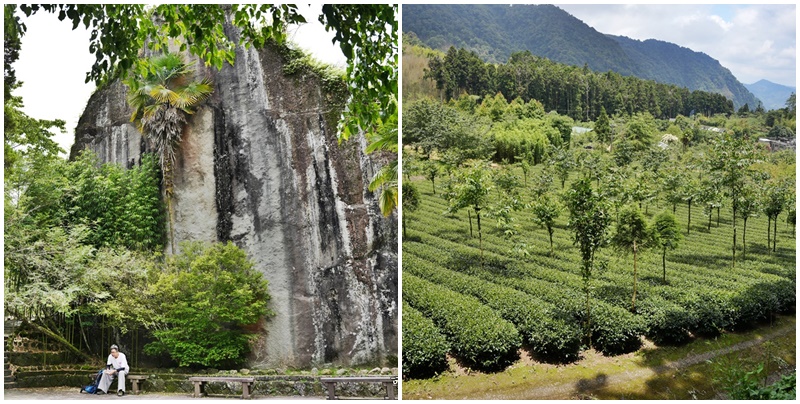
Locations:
(565, 390)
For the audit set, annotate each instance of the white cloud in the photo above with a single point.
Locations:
(754, 41)
(726, 26)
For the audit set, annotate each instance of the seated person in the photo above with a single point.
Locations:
(116, 365)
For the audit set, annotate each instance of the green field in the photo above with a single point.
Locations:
(535, 301)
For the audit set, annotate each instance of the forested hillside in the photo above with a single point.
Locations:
(494, 32)
(569, 90)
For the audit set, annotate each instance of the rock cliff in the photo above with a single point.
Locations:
(259, 164)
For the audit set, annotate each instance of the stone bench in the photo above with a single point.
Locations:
(135, 379)
(390, 382)
(200, 381)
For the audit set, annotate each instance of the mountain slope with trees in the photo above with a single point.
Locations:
(773, 95)
(494, 32)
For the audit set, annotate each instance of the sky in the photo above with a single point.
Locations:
(753, 41)
(54, 59)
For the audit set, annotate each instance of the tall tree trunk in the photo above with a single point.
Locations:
(633, 301)
(469, 214)
(775, 234)
(550, 232)
(689, 223)
(744, 238)
(769, 228)
(734, 248)
(710, 213)
(480, 235)
(168, 188)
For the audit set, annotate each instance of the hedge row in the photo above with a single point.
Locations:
(540, 323)
(424, 347)
(606, 336)
(476, 333)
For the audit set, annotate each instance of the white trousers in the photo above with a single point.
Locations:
(106, 379)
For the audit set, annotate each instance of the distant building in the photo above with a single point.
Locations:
(775, 145)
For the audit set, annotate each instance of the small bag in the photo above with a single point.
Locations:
(92, 388)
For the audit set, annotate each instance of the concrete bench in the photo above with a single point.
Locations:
(390, 382)
(200, 381)
(135, 379)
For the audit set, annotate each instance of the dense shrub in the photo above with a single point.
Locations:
(203, 301)
(615, 330)
(424, 347)
(477, 334)
(519, 138)
(667, 322)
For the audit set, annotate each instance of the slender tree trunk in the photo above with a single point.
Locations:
(404, 226)
(480, 235)
(664, 264)
(769, 228)
(673, 208)
(710, 213)
(168, 187)
(633, 301)
(433, 184)
(734, 248)
(689, 223)
(775, 234)
(744, 238)
(469, 214)
(550, 232)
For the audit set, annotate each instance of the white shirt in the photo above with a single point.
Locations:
(119, 362)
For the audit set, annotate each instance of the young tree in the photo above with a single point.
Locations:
(545, 212)
(749, 205)
(471, 189)
(710, 196)
(672, 184)
(161, 97)
(410, 202)
(431, 170)
(774, 201)
(602, 127)
(631, 235)
(690, 192)
(666, 236)
(729, 160)
(561, 161)
(589, 220)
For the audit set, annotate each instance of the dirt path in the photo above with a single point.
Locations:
(563, 390)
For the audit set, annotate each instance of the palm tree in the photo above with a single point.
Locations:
(385, 179)
(162, 94)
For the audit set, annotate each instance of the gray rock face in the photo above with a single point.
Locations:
(259, 164)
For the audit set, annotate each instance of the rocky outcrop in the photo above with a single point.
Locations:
(260, 165)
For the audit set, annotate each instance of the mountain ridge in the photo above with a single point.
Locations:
(773, 95)
(496, 31)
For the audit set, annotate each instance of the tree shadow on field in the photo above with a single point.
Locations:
(588, 385)
(463, 262)
(716, 261)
